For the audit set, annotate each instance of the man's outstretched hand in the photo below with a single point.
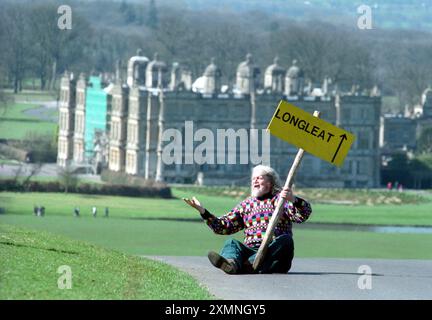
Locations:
(194, 203)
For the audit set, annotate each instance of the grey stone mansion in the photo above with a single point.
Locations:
(119, 124)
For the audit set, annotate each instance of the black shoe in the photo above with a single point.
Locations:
(227, 265)
(248, 268)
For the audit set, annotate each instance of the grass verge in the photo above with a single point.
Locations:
(352, 197)
(30, 261)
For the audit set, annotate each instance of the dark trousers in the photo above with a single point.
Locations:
(277, 260)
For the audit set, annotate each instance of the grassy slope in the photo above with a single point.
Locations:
(147, 237)
(30, 261)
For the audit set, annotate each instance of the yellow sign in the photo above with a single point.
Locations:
(312, 134)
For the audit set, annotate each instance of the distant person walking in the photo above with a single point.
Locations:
(106, 212)
(40, 211)
(389, 186)
(77, 212)
(94, 211)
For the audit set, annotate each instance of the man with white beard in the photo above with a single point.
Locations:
(253, 216)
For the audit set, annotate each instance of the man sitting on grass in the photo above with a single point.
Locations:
(253, 216)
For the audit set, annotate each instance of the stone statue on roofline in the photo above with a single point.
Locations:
(294, 80)
(247, 76)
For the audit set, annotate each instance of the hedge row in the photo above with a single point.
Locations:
(157, 190)
(122, 178)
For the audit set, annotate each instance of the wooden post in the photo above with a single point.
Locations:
(278, 210)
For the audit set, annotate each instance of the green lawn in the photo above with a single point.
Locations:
(19, 129)
(63, 204)
(102, 252)
(16, 112)
(159, 237)
(3, 160)
(149, 226)
(30, 95)
(14, 124)
(30, 262)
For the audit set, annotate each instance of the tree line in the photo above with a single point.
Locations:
(32, 45)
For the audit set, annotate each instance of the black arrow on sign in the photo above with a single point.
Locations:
(343, 137)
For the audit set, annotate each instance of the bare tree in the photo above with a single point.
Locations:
(55, 49)
(405, 71)
(4, 102)
(229, 43)
(32, 44)
(34, 169)
(41, 30)
(68, 178)
(17, 45)
(17, 173)
(22, 172)
(425, 141)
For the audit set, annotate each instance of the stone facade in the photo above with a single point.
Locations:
(118, 128)
(78, 138)
(66, 120)
(361, 116)
(141, 114)
(400, 133)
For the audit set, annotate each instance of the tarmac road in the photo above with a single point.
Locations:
(322, 279)
(44, 111)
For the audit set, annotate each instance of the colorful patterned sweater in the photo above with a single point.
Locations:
(253, 215)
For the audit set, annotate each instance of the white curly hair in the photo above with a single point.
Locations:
(271, 174)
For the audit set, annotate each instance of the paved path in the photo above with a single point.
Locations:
(316, 279)
(45, 111)
(47, 170)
